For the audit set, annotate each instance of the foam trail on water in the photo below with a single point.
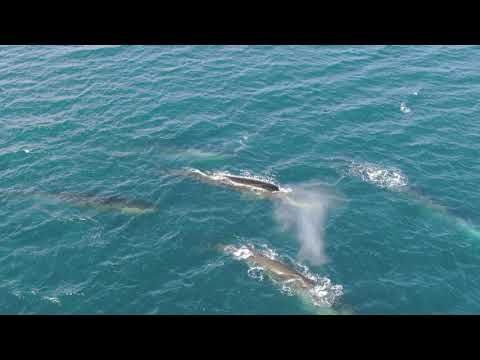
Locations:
(307, 221)
(464, 226)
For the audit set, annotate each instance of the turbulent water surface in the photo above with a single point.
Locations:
(375, 149)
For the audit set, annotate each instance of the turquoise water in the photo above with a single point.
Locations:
(391, 132)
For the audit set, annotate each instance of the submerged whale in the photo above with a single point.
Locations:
(125, 206)
(115, 203)
(440, 210)
(310, 291)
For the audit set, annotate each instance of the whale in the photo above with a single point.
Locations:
(125, 206)
(259, 188)
(234, 181)
(308, 290)
(109, 203)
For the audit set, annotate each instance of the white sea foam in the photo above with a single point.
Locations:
(404, 108)
(222, 176)
(325, 293)
(256, 272)
(384, 177)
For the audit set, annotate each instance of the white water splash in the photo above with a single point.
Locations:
(325, 293)
(240, 253)
(417, 91)
(287, 289)
(270, 253)
(404, 108)
(384, 177)
(256, 272)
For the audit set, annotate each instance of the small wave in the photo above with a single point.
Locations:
(222, 176)
(270, 253)
(390, 178)
(75, 218)
(52, 299)
(17, 294)
(325, 293)
(287, 289)
(404, 108)
(416, 92)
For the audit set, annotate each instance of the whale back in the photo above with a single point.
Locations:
(281, 271)
(254, 182)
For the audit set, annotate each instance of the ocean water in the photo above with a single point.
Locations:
(391, 133)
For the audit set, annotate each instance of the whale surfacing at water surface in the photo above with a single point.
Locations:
(258, 186)
(274, 268)
(319, 297)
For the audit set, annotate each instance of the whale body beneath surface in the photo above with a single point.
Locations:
(109, 203)
(125, 206)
